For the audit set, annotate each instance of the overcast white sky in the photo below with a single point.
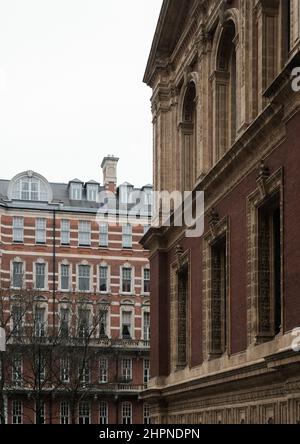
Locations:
(71, 87)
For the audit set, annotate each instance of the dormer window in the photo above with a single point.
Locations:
(148, 196)
(125, 192)
(76, 191)
(91, 192)
(30, 186)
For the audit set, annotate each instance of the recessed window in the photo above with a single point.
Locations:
(18, 229)
(84, 372)
(126, 280)
(92, 191)
(103, 328)
(18, 275)
(103, 241)
(103, 413)
(76, 191)
(40, 231)
(146, 371)
(17, 369)
(64, 322)
(146, 321)
(146, 282)
(126, 369)
(126, 413)
(147, 414)
(17, 412)
(84, 234)
(103, 279)
(126, 325)
(40, 417)
(127, 236)
(64, 413)
(65, 232)
(84, 413)
(84, 278)
(83, 323)
(219, 298)
(40, 322)
(103, 370)
(17, 314)
(40, 276)
(65, 277)
(65, 370)
(269, 269)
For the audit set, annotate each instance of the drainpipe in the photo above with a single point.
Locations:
(53, 296)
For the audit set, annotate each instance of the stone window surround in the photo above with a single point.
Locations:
(218, 229)
(183, 260)
(267, 186)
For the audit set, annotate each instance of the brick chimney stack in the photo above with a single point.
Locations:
(109, 168)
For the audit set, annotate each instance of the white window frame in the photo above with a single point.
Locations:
(107, 326)
(64, 413)
(89, 311)
(16, 417)
(17, 370)
(84, 233)
(131, 330)
(127, 236)
(103, 413)
(103, 370)
(85, 377)
(76, 191)
(91, 192)
(41, 231)
(17, 261)
(104, 235)
(146, 371)
(82, 413)
(101, 266)
(67, 309)
(144, 270)
(132, 289)
(61, 267)
(146, 334)
(17, 331)
(126, 413)
(40, 328)
(126, 369)
(45, 265)
(146, 413)
(90, 278)
(18, 230)
(65, 369)
(65, 232)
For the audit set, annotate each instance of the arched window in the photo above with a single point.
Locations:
(226, 91)
(189, 143)
(30, 186)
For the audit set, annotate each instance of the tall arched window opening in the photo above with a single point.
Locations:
(188, 135)
(226, 91)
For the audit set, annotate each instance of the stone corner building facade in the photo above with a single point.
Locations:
(224, 306)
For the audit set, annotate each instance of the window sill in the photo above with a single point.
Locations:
(127, 294)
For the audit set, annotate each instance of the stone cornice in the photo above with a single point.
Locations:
(212, 383)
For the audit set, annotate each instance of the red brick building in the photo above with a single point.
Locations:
(225, 307)
(75, 300)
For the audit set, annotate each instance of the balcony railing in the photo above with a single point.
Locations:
(127, 344)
